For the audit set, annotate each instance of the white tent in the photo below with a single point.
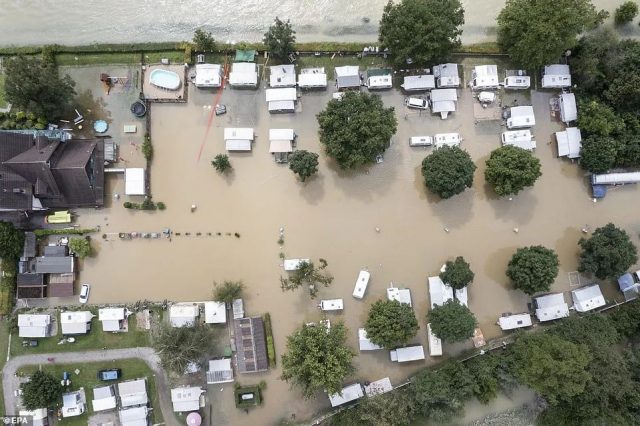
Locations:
(551, 307)
(111, 318)
(183, 315)
(568, 108)
(587, 298)
(520, 138)
(186, 398)
(364, 343)
(569, 142)
(134, 182)
(75, 322)
(484, 77)
(312, 78)
(136, 416)
(215, 312)
(208, 75)
(418, 83)
(282, 76)
(521, 117)
(244, 74)
(439, 293)
(31, 325)
(348, 394)
(556, 76)
(410, 353)
(450, 139)
(443, 101)
(511, 322)
(402, 295)
(238, 139)
(103, 398)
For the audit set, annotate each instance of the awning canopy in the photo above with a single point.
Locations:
(280, 146)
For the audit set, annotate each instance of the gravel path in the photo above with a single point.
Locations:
(10, 382)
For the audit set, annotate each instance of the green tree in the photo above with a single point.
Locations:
(457, 274)
(280, 38)
(533, 269)
(626, 12)
(177, 347)
(81, 247)
(11, 241)
(307, 274)
(535, 33)
(441, 394)
(317, 359)
(588, 64)
(511, 169)
(303, 163)
(42, 390)
(33, 86)
(448, 171)
(608, 253)
(396, 408)
(221, 163)
(452, 321)
(356, 129)
(391, 324)
(485, 371)
(629, 152)
(421, 30)
(624, 92)
(228, 291)
(147, 148)
(551, 366)
(597, 118)
(203, 41)
(599, 154)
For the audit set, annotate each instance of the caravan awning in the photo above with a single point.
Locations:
(238, 145)
(569, 142)
(280, 146)
(568, 108)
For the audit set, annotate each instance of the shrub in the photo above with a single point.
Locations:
(625, 13)
(161, 205)
(221, 163)
(147, 148)
(271, 350)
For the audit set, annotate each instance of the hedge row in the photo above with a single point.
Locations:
(76, 231)
(7, 286)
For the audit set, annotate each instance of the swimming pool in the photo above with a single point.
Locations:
(165, 79)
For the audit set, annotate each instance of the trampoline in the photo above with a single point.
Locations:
(194, 419)
(100, 126)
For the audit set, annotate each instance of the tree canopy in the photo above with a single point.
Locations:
(317, 359)
(511, 169)
(553, 367)
(626, 12)
(452, 321)
(356, 129)
(221, 163)
(303, 163)
(228, 291)
(608, 253)
(597, 118)
(81, 247)
(280, 38)
(42, 390)
(180, 346)
(448, 171)
(35, 86)
(599, 154)
(421, 30)
(535, 33)
(203, 41)
(457, 273)
(307, 274)
(11, 241)
(533, 269)
(391, 324)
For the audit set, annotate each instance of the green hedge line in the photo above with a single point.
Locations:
(7, 286)
(271, 349)
(76, 231)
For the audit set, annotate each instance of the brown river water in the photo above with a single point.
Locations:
(334, 216)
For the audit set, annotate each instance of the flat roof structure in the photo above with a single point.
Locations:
(134, 181)
(588, 298)
(133, 393)
(568, 107)
(439, 292)
(208, 75)
(407, 354)
(348, 394)
(551, 307)
(402, 295)
(215, 312)
(60, 285)
(111, 318)
(435, 343)
(52, 265)
(183, 315)
(34, 325)
(484, 77)
(238, 139)
(251, 345)
(443, 101)
(135, 416)
(104, 398)
(569, 142)
(220, 371)
(186, 398)
(75, 322)
(282, 76)
(347, 76)
(378, 387)
(446, 75)
(312, 78)
(364, 343)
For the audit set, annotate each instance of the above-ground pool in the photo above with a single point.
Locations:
(165, 79)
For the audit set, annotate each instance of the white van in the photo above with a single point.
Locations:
(361, 284)
(420, 141)
(331, 305)
(417, 103)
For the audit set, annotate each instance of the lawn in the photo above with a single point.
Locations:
(95, 339)
(97, 58)
(4, 343)
(174, 56)
(3, 101)
(131, 369)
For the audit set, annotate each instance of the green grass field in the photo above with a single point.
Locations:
(95, 339)
(97, 58)
(87, 379)
(4, 344)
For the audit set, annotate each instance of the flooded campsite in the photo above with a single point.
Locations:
(381, 218)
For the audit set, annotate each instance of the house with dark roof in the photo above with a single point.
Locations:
(251, 345)
(30, 286)
(37, 172)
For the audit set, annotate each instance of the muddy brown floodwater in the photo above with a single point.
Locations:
(335, 216)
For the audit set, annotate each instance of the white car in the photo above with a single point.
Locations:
(84, 293)
(417, 103)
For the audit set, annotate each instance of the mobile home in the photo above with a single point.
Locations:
(520, 138)
(379, 79)
(556, 76)
(446, 75)
(484, 77)
(511, 322)
(312, 78)
(331, 305)
(568, 108)
(551, 307)
(418, 83)
(244, 74)
(402, 295)
(238, 139)
(450, 139)
(410, 353)
(443, 101)
(347, 77)
(569, 142)
(521, 117)
(361, 284)
(208, 75)
(281, 100)
(348, 394)
(282, 76)
(587, 298)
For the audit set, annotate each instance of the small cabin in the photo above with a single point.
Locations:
(520, 117)
(408, 354)
(520, 138)
(556, 76)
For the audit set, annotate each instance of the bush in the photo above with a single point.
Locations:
(11, 241)
(148, 204)
(599, 154)
(147, 148)
(391, 324)
(448, 171)
(127, 205)
(457, 274)
(203, 41)
(81, 247)
(78, 231)
(221, 163)
(608, 253)
(161, 205)
(625, 13)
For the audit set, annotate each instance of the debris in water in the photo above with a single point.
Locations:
(377, 229)
(446, 229)
(193, 208)
(516, 230)
(237, 235)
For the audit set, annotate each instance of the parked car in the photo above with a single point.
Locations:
(417, 103)
(30, 343)
(110, 374)
(84, 293)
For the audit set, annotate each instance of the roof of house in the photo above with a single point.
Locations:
(312, 77)
(30, 292)
(183, 315)
(111, 314)
(55, 251)
(186, 398)
(29, 280)
(133, 392)
(34, 320)
(282, 94)
(215, 312)
(220, 371)
(75, 322)
(251, 345)
(587, 298)
(243, 73)
(511, 322)
(439, 293)
(52, 265)
(60, 285)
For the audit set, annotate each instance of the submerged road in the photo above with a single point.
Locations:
(10, 382)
